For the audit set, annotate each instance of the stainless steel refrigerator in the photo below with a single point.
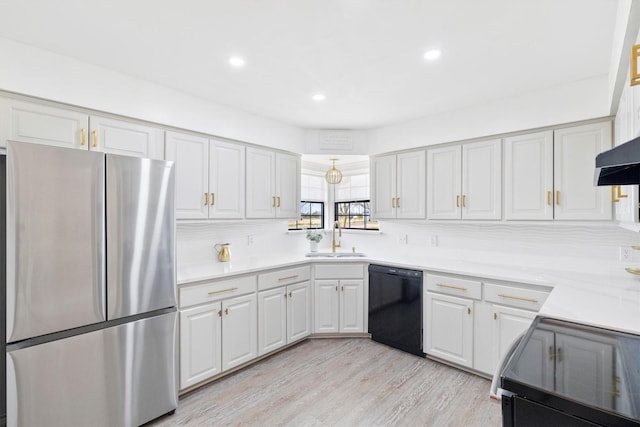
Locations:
(90, 288)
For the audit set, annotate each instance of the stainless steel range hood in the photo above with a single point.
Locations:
(620, 165)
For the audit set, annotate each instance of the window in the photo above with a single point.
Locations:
(311, 216)
(356, 215)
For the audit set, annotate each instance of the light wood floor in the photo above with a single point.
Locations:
(341, 382)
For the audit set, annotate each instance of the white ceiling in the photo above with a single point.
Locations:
(365, 55)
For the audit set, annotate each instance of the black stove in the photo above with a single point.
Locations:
(567, 374)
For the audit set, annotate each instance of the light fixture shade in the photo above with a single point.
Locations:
(333, 175)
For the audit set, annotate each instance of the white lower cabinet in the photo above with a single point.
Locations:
(449, 328)
(472, 323)
(284, 307)
(284, 316)
(200, 343)
(339, 298)
(218, 328)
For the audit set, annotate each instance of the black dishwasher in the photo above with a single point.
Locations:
(395, 307)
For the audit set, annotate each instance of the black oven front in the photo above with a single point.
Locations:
(566, 374)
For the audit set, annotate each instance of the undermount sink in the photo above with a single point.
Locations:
(335, 255)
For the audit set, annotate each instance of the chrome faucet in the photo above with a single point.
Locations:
(335, 245)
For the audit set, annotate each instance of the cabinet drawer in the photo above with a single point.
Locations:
(216, 291)
(282, 277)
(339, 271)
(454, 286)
(530, 299)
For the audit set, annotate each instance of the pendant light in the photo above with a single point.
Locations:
(333, 175)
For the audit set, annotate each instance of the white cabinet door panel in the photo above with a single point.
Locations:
(287, 186)
(351, 306)
(272, 320)
(298, 311)
(200, 344)
(444, 183)
(528, 180)
(226, 180)
(383, 186)
(127, 139)
(191, 156)
(239, 331)
(326, 297)
(449, 328)
(576, 197)
(510, 323)
(482, 180)
(410, 202)
(40, 124)
(261, 191)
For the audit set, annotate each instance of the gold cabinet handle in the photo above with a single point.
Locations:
(223, 290)
(290, 295)
(495, 316)
(397, 202)
(614, 199)
(278, 204)
(468, 310)
(83, 139)
(457, 201)
(393, 202)
(213, 199)
(518, 298)
(274, 202)
(619, 193)
(336, 288)
(285, 294)
(219, 313)
(452, 287)
(95, 138)
(226, 311)
(559, 355)
(464, 198)
(557, 197)
(551, 352)
(549, 198)
(280, 279)
(206, 199)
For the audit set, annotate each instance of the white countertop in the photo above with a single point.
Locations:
(607, 299)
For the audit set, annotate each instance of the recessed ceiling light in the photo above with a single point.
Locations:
(318, 97)
(432, 54)
(236, 61)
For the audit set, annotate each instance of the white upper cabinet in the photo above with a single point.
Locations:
(398, 185)
(27, 122)
(226, 180)
(464, 181)
(549, 175)
(41, 124)
(575, 150)
(128, 139)
(528, 176)
(273, 184)
(191, 154)
(209, 177)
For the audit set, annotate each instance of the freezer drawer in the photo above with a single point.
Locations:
(141, 274)
(120, 376)
(55, 239)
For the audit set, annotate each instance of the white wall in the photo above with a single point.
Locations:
(36, 72)
(581, 100)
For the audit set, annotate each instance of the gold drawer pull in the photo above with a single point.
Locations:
(224, 290)
(452, 287)
(206, 199)
(518, 298)
(95, 138)
(295, 276)
(549, 198)
(557, 197)
(83, 132)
